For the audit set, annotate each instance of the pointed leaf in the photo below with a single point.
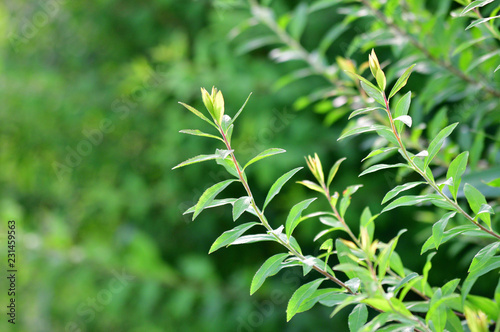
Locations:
(253, 238)
(276, 187)
(401, 82)
(373, 92)
(228, 237)
(240, 206)
(439, 227)
(301, 295)
(240, 110)
(364, 110)
(456, 170)
(396, 190)
(270, 267)
(198, 114)
(475, 4)
(197, 132)
(214, 203)
(379, 151)
(481, 21)
(483, 256)
(311, 185)
(209, 195)
(359, 130)
(410, 200)
(293, 218)
(197, 159)
(299, 21)
(358, 317)
(333, 171)
(476, 200)
(448, 235)
(402, 109)
(264, 154)
(436, 143)
(489, 265)
(378, 167)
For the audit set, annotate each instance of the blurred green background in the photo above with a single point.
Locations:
(90, 120)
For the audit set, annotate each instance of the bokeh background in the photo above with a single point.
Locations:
(90, 118)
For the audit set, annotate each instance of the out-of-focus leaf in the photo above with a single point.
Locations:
(475, 4)
(358, 317)
(481, 21)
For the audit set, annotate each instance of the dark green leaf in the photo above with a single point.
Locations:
(476, 200)
(483, 256)
(410, 200)
(436, 143)
(456, 170)
(438, 228)
(373, 92)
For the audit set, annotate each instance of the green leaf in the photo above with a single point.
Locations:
(270, 267)
(264, 154)
(403, 282)
(402, 109)
(346, 198)
(209, 195)
(343, 253)
(333, 171)
(240, 206)
(489, 265)
(456, 170)
(311, 185)
(366, 221)
(358, 317)
(228, 237)
(448, 235)
(438, 228)
(468, 43)
(401, 82)
(253, 238)
(301, 295)
(483, 256)
(359, 130)
(276, 187)
(410, 200)
(480, 21)
(378, 167)
(197, 132)
(436, 143)
(320, 295)
(406, 119)
(298, 22)
(396, 190)
(388, 135)
(240, 110)
(385, 255)
(373, 92)
(437, 311)
(476, 200)
(293, 218)
(198, 114)
(481, 60)
(197, 159)
(494, 183)
(379, 151)
(364, 110)
(214, 203)
(475, 4)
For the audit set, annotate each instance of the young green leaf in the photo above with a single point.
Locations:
(228, 237)
(481, 21)
(373, 92)
(199, 114)
(240, 206)
(270, 267)
(359, 130)
(301, 295)
(209, 195)
(448, 235)
(396, 190)
(358, 317)
(475, 4)
(436, 143)
(239, 111)
(311, 185)
(264, 154)
(293, 218)
(401, 82)
(379, 151)
(333, 171)
(364, 111)
(366, 221)
(410, 200)
(197, 159)
(438, 228)
(494, 183)
(402, 109)
(476, 200)
(483, 256)
(346, 198)
(456, 170)
(276, 187)
(403, 282)
(214, 203)
(378, 167)
(385, 255)
(197, 132)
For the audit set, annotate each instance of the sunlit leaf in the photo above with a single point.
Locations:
(359, 130)
(439, 227)
(209, 195)
(301, 295)
(456, 170)
(437, 142)
(333, 171)
(270, 267)
(476, 200)
(396, 190)
(276, 187)
(379, 167)
(240, 206)
(228, 237)
(293, 218)
(197, 159)
(264, 154)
